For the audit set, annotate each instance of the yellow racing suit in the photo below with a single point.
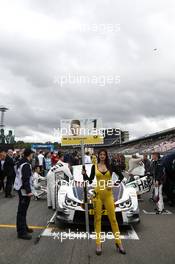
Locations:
(104, 196)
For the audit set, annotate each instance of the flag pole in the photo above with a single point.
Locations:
(85, 192)
(85, 202)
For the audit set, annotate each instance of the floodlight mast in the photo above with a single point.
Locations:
(2, 111)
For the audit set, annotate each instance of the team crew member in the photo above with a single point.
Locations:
(23, 184)
(37, 177)
(159, 177)
(134, 162)
(41, 162)
(60, 171)
(87, 158)
(169, 185)
(9, 173)
(147, 164)
(3, 155)
(104, 196)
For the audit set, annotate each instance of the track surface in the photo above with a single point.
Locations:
(151, 241)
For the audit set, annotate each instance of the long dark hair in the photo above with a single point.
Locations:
(107, 162)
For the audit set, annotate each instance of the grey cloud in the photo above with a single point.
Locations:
(147, 78)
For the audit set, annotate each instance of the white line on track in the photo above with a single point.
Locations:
(52, 219)
(167, 212)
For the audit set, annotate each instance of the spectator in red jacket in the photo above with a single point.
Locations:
(54, 158)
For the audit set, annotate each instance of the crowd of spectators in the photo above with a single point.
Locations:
(162, 145)
(44, 160)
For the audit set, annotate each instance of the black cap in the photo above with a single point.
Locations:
(27, 152)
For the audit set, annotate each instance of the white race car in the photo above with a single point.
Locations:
(70, 200)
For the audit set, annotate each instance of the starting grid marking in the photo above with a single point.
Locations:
(51, 231)
(167, 212)
(54, 233)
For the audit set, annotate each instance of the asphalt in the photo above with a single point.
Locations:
(156, 243)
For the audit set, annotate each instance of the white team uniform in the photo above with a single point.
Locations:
(55, 174)
(36, 177)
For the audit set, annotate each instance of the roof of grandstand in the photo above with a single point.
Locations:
(153, 135)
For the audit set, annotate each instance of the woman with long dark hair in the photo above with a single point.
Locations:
(104, 196)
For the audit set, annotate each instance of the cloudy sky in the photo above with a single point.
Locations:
(44, 42)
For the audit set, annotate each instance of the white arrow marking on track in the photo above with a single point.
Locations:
(167, 212)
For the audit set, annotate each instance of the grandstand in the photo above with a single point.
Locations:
(162, 142)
